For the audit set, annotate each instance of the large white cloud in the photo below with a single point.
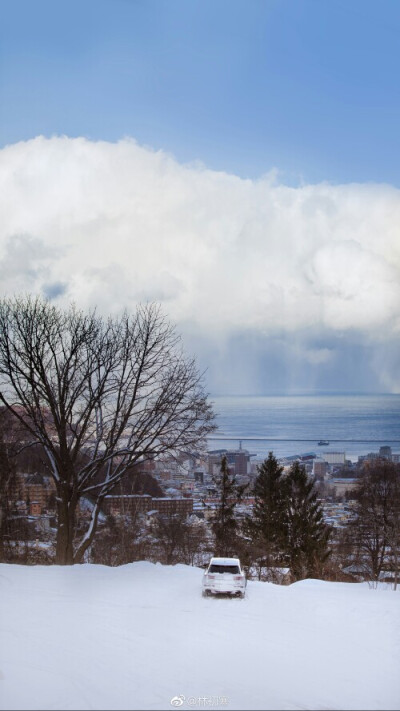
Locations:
(115, 223)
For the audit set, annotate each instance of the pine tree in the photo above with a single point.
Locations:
(223, 523)
(306, 534)
(267, 524)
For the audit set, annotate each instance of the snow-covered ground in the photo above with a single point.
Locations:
(135, 637)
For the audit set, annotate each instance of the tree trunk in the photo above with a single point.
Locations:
(90, 533)
(66, 527)
(1, 536)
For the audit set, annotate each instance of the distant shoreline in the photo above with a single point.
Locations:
(313, 439)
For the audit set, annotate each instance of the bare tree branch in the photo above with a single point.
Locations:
(99, 395)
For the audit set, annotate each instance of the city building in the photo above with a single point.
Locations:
(334, 457)
(320, 469)
(35, 508)
(120, 505)
(33, 487)
(238, 460)
(199, 476)
(343, 486)
(385, 452)
(173, 506)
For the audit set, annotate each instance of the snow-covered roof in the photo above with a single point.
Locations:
(225, 561)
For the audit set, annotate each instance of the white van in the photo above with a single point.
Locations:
(225, 576)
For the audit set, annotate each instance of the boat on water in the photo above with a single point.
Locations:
(323, 442)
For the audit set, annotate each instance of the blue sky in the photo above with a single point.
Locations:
(310, 87)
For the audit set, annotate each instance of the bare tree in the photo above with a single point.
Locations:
(169, 532)
(374, 530)
(197, 544)
(98, 395)
(177, 538)
(7, 480)
(120, 540)
(393, 536)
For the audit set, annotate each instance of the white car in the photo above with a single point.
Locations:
(225, 576)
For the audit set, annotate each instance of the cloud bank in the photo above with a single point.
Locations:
(309, 272)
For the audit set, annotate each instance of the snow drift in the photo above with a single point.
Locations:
(139, 636)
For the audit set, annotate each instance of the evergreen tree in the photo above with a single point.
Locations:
(267, 524)
(306, 534)
(224, 524)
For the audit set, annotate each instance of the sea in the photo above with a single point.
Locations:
(294, 424)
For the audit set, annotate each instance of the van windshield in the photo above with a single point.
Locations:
(233, 569)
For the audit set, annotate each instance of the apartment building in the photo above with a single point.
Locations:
(132, 504)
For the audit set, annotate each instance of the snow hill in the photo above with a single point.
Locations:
(135, 637)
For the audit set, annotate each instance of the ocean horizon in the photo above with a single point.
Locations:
(288, 424)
